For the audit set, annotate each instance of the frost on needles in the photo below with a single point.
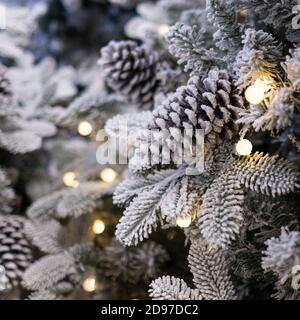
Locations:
(219, 62)
(184, 65)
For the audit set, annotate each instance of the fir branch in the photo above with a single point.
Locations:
(188, 46)
(20, 141)
(137, 184)
(210, 276)
(44, 235)
(141, 216)
(278, 115)
(171, 288)
(222, 211)
(210, 272)
(174, 8)
(282, 257)
(91, 103)
(276, 14)
(282, 253)
(68, 202)
(260, 56)
(223, 15)
(43, 294)
(180, 200)
(128, 125)
(131, 264)
(41, 128)
(292, 68)
(79, 201)
(266, 174)
(52, 269)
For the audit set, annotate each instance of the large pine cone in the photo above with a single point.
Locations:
(131, 70)
(5, 93)
(15, 251)
(211, 104)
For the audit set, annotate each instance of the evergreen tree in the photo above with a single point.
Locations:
(215, 80)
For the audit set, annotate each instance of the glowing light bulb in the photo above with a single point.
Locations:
(184, 222)
(89, 284)
(108, 175)
(98, 226)
(244, 147)
(255, 94)
(85, 128)
(70, 180)
(163, 29)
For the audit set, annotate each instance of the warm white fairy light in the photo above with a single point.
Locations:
(163, 29)
(85, 128)
(70, 179)
(184, 222)
(108, 175)
(244, 147)
(98, 226)
(89, 284)
(255, 94)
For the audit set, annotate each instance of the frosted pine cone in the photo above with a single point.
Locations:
(5, 93)
(211, 104)
(131, 70)
(15, 251)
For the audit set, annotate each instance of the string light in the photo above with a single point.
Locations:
(163, 29)
(184, 222)
(70, 180)
(255, 94)
(244, 147)
(89, 284)
(108, 175)
(98, 226)
(85, 128)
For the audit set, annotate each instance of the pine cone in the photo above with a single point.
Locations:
(131, 70)
(15, 251)
(5, 93)
(211, 104)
